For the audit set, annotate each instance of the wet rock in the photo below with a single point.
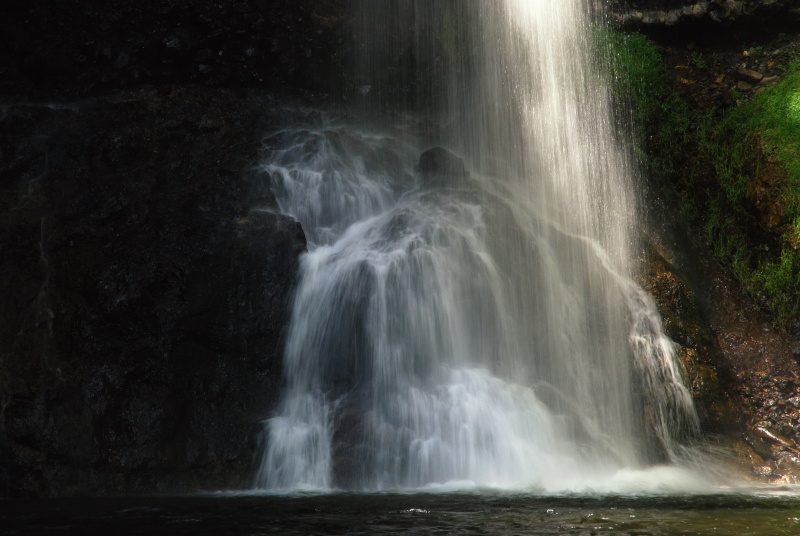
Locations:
(749, 75)
(740, 371)
(143, 301)
(437, 165)
(667, 13)
(684, 321)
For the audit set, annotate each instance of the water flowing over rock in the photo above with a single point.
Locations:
(492, 335)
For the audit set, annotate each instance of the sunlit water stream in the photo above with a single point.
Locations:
(478, 322)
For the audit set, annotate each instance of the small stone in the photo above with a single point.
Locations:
(743, 86)
(172, 41)
(121, 61)
(767, 80)
(749, 74)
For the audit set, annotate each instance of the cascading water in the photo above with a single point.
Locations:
(480, 327)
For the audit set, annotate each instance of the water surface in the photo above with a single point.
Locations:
(763, 514)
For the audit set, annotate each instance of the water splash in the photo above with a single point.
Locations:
(484, 328)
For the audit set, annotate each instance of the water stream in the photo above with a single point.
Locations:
(478, 326)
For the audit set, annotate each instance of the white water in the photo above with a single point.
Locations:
(486, 330)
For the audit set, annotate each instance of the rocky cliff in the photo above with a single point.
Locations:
(142, 301)
(707, 13)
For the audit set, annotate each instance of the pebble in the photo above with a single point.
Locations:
(743, 86)
(122, 60)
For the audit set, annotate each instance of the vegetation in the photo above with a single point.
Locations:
(664, 120)
(717, 164)
(755, 145)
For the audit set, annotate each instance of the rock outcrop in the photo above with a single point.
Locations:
(71, 49)
(655, 13)
(437, 165)
(142, 301)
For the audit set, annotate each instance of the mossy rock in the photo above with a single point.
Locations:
(701, 359)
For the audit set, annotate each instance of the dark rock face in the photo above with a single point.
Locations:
(740, 370)
(653, 13)
(142, 302)
(437, 165)
(707, 375)
(76, 48)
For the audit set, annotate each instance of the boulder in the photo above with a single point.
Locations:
(437, 165)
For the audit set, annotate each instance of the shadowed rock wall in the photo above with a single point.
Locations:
(142, 302)
(705, 13)
(73, 48)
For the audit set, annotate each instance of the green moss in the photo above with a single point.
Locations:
(662, 120)
(780, 280)
(699, 61)
(773, 117)
(710, 162)
(637, 73)
(766, 128)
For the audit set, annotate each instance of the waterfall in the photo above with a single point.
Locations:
(477, 324)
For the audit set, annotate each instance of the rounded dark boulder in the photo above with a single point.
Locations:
(437, 165)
